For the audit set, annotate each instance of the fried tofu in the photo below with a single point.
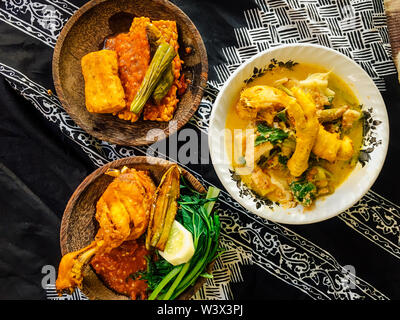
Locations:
(103, 89)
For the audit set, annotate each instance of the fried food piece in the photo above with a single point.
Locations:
(133, 50)
(124, 208)
(164, 111)
(122, 213)
(70, 270)
(133, 53)
(316, 84)
(103, 88)
(346, 149)
(305, 136)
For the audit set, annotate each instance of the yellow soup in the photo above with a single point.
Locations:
(294, 134)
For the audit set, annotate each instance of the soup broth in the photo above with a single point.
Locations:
(335, 172)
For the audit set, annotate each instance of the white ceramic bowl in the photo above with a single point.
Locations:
(375, 142)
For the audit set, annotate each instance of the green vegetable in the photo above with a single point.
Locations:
(303, 191)
(289, 143)
(161, 61)
(283, 160)
(332, 114)
(163, 85)
(286, 90)
(155, 273)
(195, 215)
(273, 135)
(322, 174)
(165, 281)
(281, 115)
(154, 37)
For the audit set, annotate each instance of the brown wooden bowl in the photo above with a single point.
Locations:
(79, 226)
(86, 31)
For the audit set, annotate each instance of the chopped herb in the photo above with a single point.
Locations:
(273, 135)
(283, 160)
(304, 192)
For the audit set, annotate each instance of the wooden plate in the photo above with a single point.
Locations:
(86, 31)
(79, 226)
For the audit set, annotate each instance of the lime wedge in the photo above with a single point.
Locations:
(179, 247)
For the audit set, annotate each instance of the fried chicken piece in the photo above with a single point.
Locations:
(123, 214)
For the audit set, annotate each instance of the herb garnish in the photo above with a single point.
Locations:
(303, 191)
(283, 160)
(273, 135)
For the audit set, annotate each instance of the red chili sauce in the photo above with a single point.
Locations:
(117, 267)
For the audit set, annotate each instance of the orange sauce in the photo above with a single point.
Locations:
(116, 267)
(133, 53)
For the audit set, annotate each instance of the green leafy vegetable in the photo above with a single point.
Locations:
(303, 191)
(195, 214)
(273, 135)
(283, 160)
(156, 271)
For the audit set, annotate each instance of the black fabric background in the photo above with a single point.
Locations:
(40, 168)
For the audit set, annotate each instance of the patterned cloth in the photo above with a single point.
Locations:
(348, 257)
